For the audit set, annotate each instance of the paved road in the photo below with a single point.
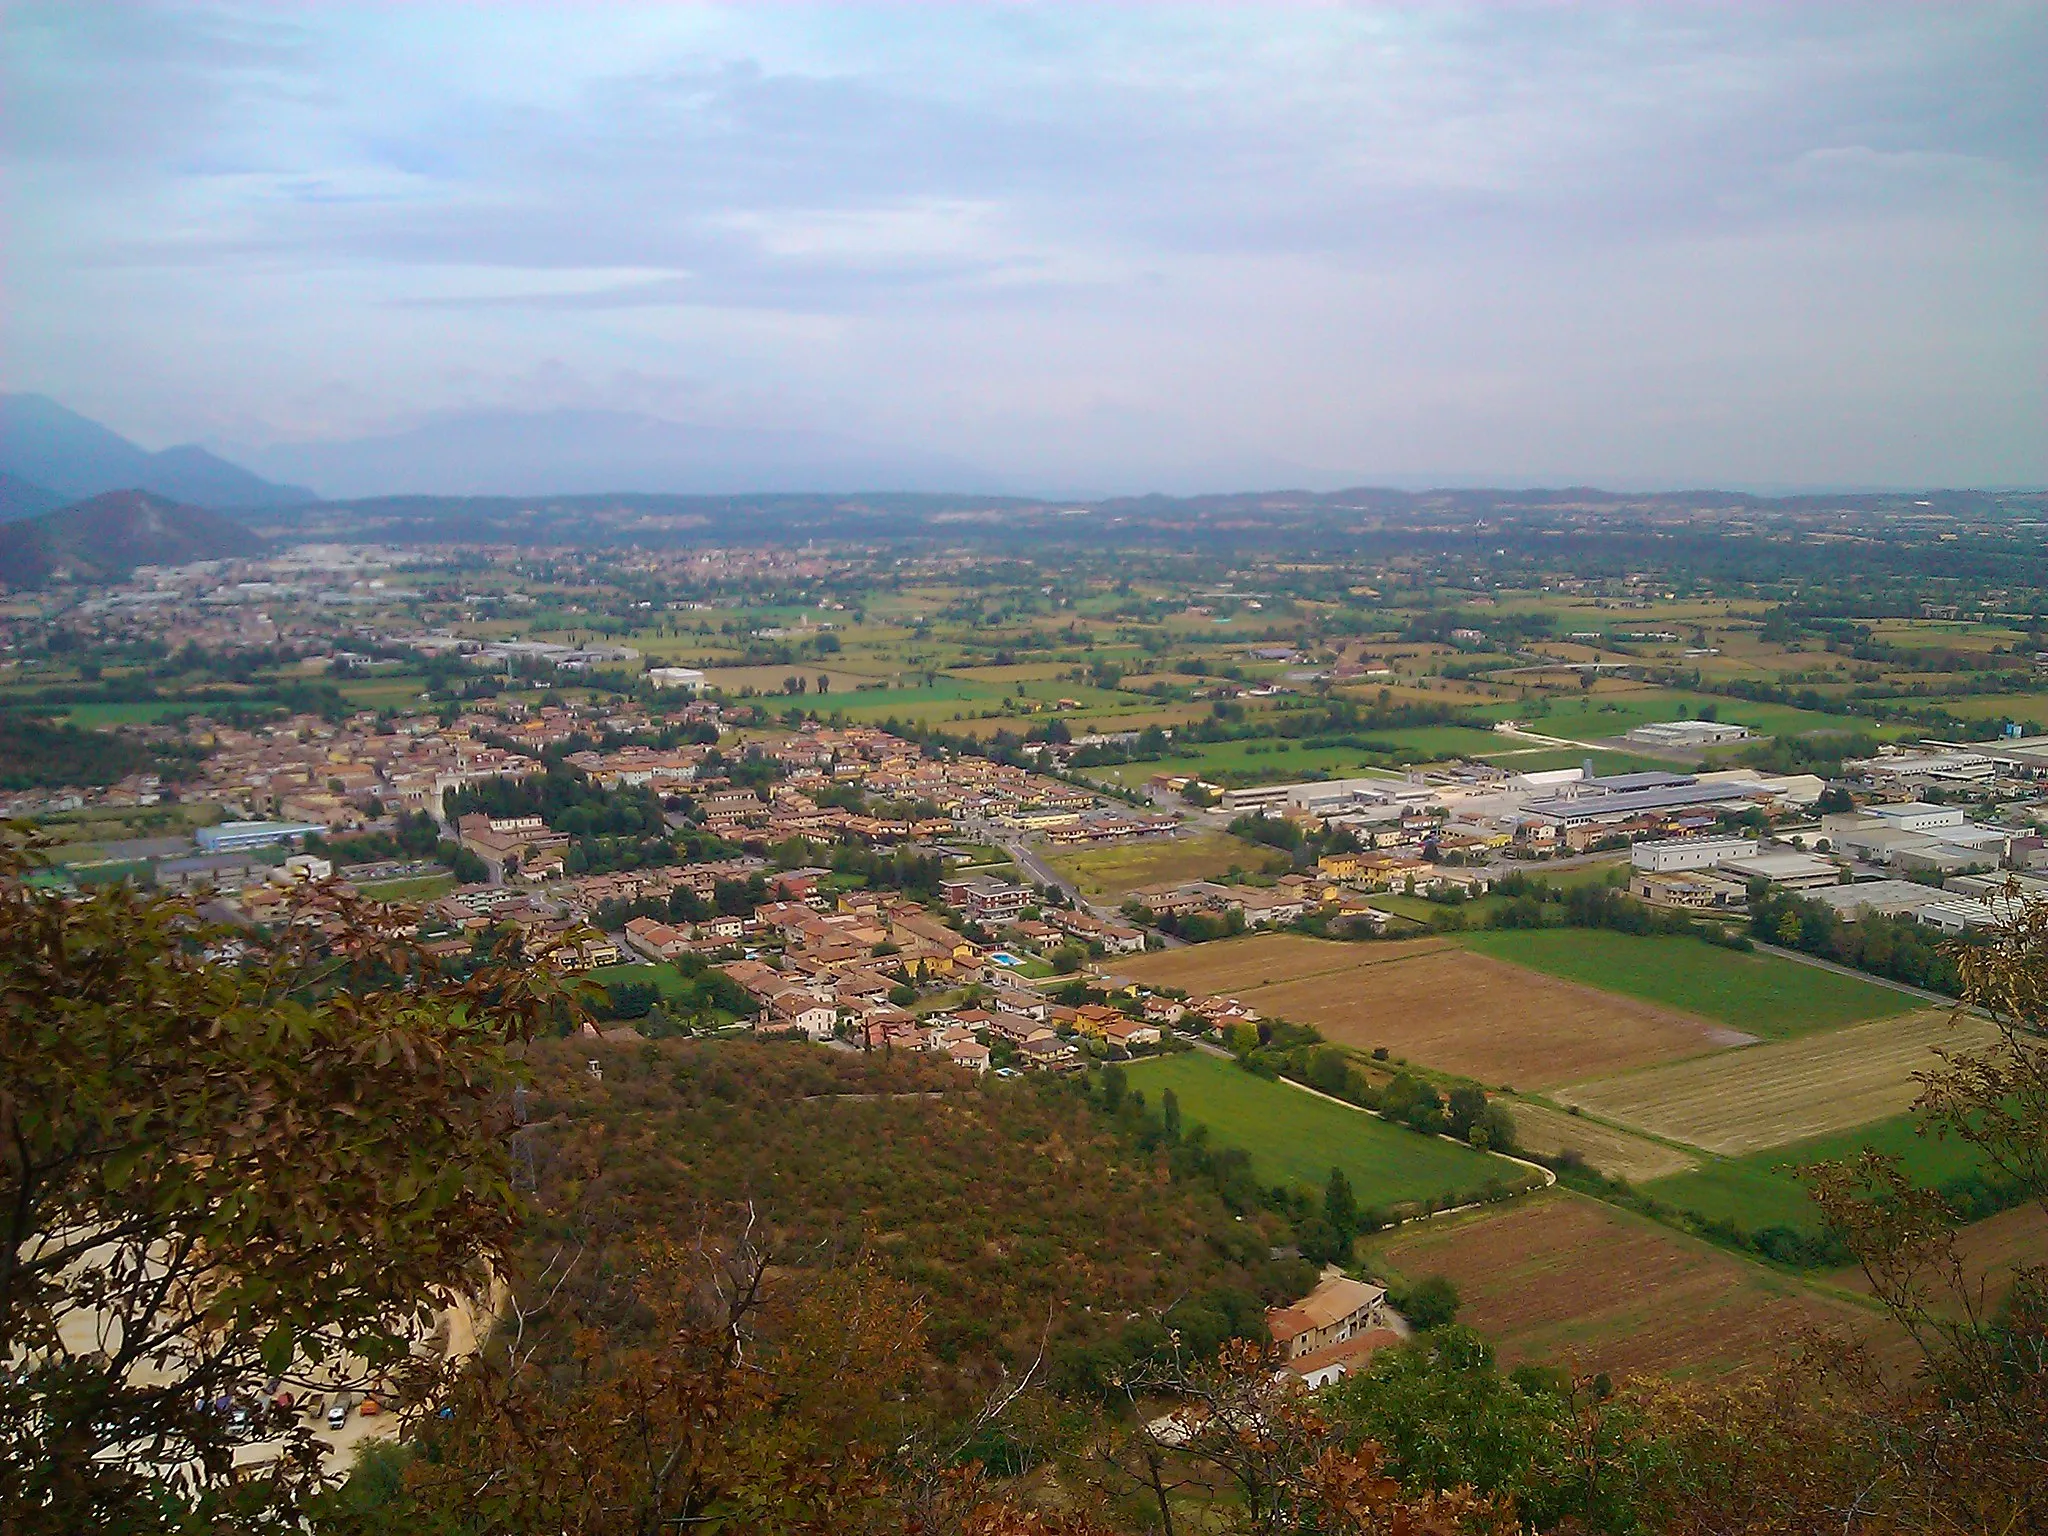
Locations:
(1036, 869)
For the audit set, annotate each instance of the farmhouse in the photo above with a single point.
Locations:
(1320, 1367)
(1337, 1309)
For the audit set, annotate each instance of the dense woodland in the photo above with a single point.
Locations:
(36, 754)
(1017, 1216)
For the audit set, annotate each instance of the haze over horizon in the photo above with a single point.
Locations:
(1065, 251)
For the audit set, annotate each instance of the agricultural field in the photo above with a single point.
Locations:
(384, 690)
(80, 833)
(1536, 759)
(1989, 1250)
(1764, 1189)
(1233, 965)
(95, 716)
(1765, 996)
(1437, 1004)
(1480, 1018)
(1617, 1153)
(1771, 1095)
(1296, 1137)
(772, 679)
(1603, 715)
(1113, 872)
(1561, 1278)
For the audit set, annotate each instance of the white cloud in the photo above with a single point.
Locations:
(1372, 239)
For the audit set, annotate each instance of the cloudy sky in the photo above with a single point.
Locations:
(1087, 247)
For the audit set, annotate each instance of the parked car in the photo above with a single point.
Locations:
(337, 1413)
(370, 1409)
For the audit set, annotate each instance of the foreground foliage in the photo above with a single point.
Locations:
(214, 1173)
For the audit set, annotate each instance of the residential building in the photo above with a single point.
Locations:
(1320, 1367)
(1337, 1309)
(798, 1011)
(1049, 1053)
(986, 901)
(1694, 890)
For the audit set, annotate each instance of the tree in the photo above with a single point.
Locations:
(1445, 1416)
(1967, 1441)
(1241, 1424)
(1467, 1106)
(1340, 1207)
(1169, 1114)
(227, 1158)
(1431, 1303)
(1495, 1130)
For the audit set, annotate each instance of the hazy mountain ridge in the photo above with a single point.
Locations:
(51, 446)
(106, 537)
(595, 452)
(24, 498)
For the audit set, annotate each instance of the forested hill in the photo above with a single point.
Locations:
(107, 536)
(1008, 1207)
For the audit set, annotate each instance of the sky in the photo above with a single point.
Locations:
(1086, 248)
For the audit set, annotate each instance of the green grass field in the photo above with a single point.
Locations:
(1296, 1138)
(397, 689)
(418, 889)
(666, 978)
(1522, 758)
(1761, 994)
(1764, 1188)
(1604, 715)
(93, 716)
(1196, 856)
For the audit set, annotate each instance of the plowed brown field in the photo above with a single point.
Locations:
(1616, 1153)
(1989, 1250)
(1230, 966)
(1437, 1004)
(1489, 1020)
(1561, 1278)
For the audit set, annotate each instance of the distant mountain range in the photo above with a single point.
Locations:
(50, 455)
(614, 477)
(24, 498)
(544, 453)
(106, 537)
